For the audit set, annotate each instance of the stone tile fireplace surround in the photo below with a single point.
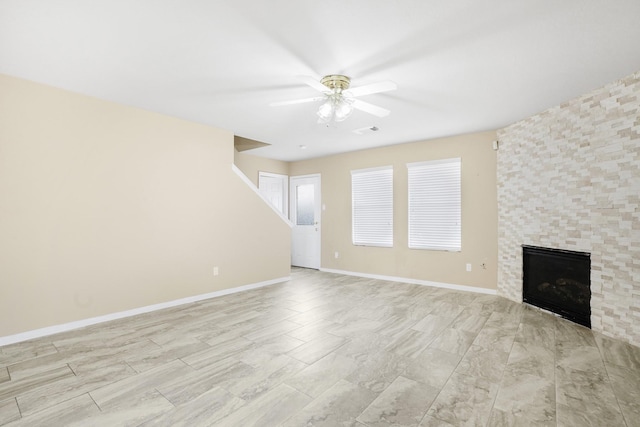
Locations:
(569, 179)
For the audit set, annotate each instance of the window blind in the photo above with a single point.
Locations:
(435, 207)
(372, 206)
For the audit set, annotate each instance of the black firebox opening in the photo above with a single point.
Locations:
(559, 281)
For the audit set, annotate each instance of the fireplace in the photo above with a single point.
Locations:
(559, 281)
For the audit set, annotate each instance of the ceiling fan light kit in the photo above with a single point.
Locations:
(339, 100)
(338, 105)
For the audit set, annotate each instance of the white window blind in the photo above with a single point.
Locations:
(435, 207)
(372, 206)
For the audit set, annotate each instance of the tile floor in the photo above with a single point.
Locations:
(326, 350)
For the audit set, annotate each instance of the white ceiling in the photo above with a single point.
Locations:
(461, 65)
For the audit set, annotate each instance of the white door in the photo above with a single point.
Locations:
(274, 188)
(305, 216)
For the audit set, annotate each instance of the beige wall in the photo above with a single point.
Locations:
(569, 179)
(251, 165)
(105, 208)
(479, 212)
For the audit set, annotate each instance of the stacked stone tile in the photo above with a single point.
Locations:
(569, 178)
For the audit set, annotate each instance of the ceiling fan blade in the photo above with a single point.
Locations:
(296, 101)
(315, 84)
(372, 88)
(370, 108)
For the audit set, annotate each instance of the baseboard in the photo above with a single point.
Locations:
(51, 330)
(413, 281)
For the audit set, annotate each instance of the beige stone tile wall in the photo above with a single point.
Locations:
(569, 178)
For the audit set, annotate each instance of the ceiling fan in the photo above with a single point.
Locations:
(339, 100)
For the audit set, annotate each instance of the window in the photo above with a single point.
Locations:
(435, 207)
(305, 204)
(372, 206)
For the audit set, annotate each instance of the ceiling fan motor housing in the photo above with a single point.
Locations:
(336, 82)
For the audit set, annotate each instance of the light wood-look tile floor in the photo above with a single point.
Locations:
(330, 350)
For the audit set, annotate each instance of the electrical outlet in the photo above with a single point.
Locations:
(337, 255)
(216, 271)
(468, 267)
